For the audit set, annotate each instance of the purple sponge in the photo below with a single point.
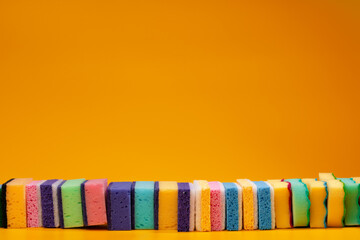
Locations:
(118, 205)
(183, 207)
(186, 207)
(47, 205)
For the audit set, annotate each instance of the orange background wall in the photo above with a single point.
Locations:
(179, 90)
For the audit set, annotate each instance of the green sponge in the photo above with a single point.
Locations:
(300, 203)
(351, 201)
(71, 203)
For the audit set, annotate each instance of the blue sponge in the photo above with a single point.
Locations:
(264, 205)
(232, 207)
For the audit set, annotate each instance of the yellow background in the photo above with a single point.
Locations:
(179, 90)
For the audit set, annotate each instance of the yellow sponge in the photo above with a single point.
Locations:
(335, 203)
(250, 210)
(202, 206)
(282, 203)
(326, 176)
(16, 203)
(318, 198)
(168, 199)
(356, 179)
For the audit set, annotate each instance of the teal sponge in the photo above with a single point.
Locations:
(144, 205)
(300, 203)
(351, 201)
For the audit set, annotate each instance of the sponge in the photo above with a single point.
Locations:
(71, 203)
(49, 203)
(33, 204)
(250, 208)
(335, 203)
(351, 201)
(3, 217)
(318, 197)
(217, 206)
(300, 203)
(356, 179)
(186, 207)
(118, 205)
(144, 205)
(233, 194)
(266, 210)
(94, 207)
(56, 202)
(326, 176)
(202, 206)
(168, 205)
(283, 203)
(16, 203)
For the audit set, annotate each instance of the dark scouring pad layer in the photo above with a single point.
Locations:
(183, 207)
(133, 205)
(82, 189)
(118, 201)
(3, 215)
(61, 216)
(156, 205)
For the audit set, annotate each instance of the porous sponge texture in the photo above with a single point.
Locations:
(300, 203)
(264, 205)
(217, 206)
(16, 202)
(202, 208)
(95, 201)
(144, 205)
(232, 206)
(351, 201)
(282, 203)
(168, 193)
(71, 203)
(250, 213)
(33, 204)
(335, 203)
(318, 198)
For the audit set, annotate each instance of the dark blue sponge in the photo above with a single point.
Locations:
(118, 205)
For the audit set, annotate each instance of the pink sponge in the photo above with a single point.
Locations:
(33, 204)
(95, 211)
(217, 206)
